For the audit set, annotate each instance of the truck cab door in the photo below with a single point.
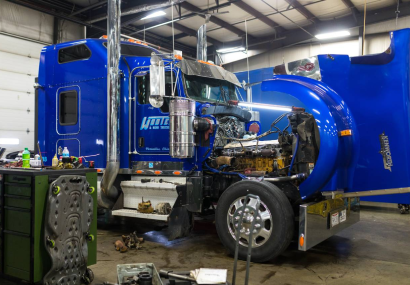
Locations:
(151, 124)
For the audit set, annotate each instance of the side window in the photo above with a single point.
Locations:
(74, 53)
(68, 109)
(168, 91)
(144, 91)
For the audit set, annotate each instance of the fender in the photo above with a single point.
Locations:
(338, 154)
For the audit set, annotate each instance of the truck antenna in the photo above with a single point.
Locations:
(246, 43)
(173, 51)
(249, 86)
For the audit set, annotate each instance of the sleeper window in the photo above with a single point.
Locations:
(74, 53)
(68, 114)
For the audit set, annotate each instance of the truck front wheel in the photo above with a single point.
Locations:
(274, 225)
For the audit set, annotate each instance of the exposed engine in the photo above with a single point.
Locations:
(228, 126)
(295, 151)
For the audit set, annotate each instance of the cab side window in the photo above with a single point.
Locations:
(144, 90)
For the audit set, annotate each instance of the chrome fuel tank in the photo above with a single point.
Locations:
(181, 128)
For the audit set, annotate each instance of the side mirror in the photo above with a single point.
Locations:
(157, 81)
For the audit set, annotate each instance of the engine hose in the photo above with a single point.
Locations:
(213, 170)
(299, 176)
(294, 155)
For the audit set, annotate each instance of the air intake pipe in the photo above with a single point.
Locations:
(108, 193)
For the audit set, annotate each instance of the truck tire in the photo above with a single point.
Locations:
(276, 229)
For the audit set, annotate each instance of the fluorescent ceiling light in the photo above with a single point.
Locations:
(266, 106)
(333, 35)
(153, 15)
(9, 141)
(232, 49)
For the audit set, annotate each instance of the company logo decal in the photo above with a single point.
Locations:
(155, 123)
(307, 67)
(385, 151)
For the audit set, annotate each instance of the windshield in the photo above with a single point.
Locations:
(209, 89)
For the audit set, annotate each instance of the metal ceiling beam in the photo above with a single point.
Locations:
(260, 16)
(153, 37)
(290, 8)
(95, 5)
(192, 33)
(187, 31)
(139, 9)
(179, 36)
(131, 19)
(349, 4)
(302, 10)
(296, 37)
(215, 20)
(31, 5)
(63, 7)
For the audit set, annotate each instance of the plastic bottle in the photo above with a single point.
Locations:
(54, 162)
(26, 158)
(66, 153)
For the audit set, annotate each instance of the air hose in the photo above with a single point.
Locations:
(294, 155)
(213, 170)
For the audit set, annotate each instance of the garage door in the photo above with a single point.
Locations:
(19, 60)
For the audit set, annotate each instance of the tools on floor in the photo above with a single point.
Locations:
(143, 278)
(197, 276)
(120, 246)
(138, 274)
(132, 240)
(147, 274)
(128, 241)
(176, 275)
(135, 274)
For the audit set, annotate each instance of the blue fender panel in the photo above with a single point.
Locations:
(337, 155)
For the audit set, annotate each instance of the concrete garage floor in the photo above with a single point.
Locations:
(374, 251)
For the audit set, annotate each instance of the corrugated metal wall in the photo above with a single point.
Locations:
(23, 33)
(19, 66)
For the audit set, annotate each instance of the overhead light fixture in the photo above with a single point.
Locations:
(266, 106)
(229, 50)
(153, 15)
(333, 35)
(9, 141)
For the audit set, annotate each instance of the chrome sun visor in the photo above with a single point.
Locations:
(191, 67)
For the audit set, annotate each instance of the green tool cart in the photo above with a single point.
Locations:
(24, 198)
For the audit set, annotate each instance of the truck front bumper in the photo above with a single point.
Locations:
(319, 221)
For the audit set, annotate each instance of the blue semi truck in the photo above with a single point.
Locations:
(171, 131)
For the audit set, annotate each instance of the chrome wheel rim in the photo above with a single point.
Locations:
(263, 225)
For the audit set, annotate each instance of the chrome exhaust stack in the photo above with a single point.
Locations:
(201, 45)
(113, 105)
